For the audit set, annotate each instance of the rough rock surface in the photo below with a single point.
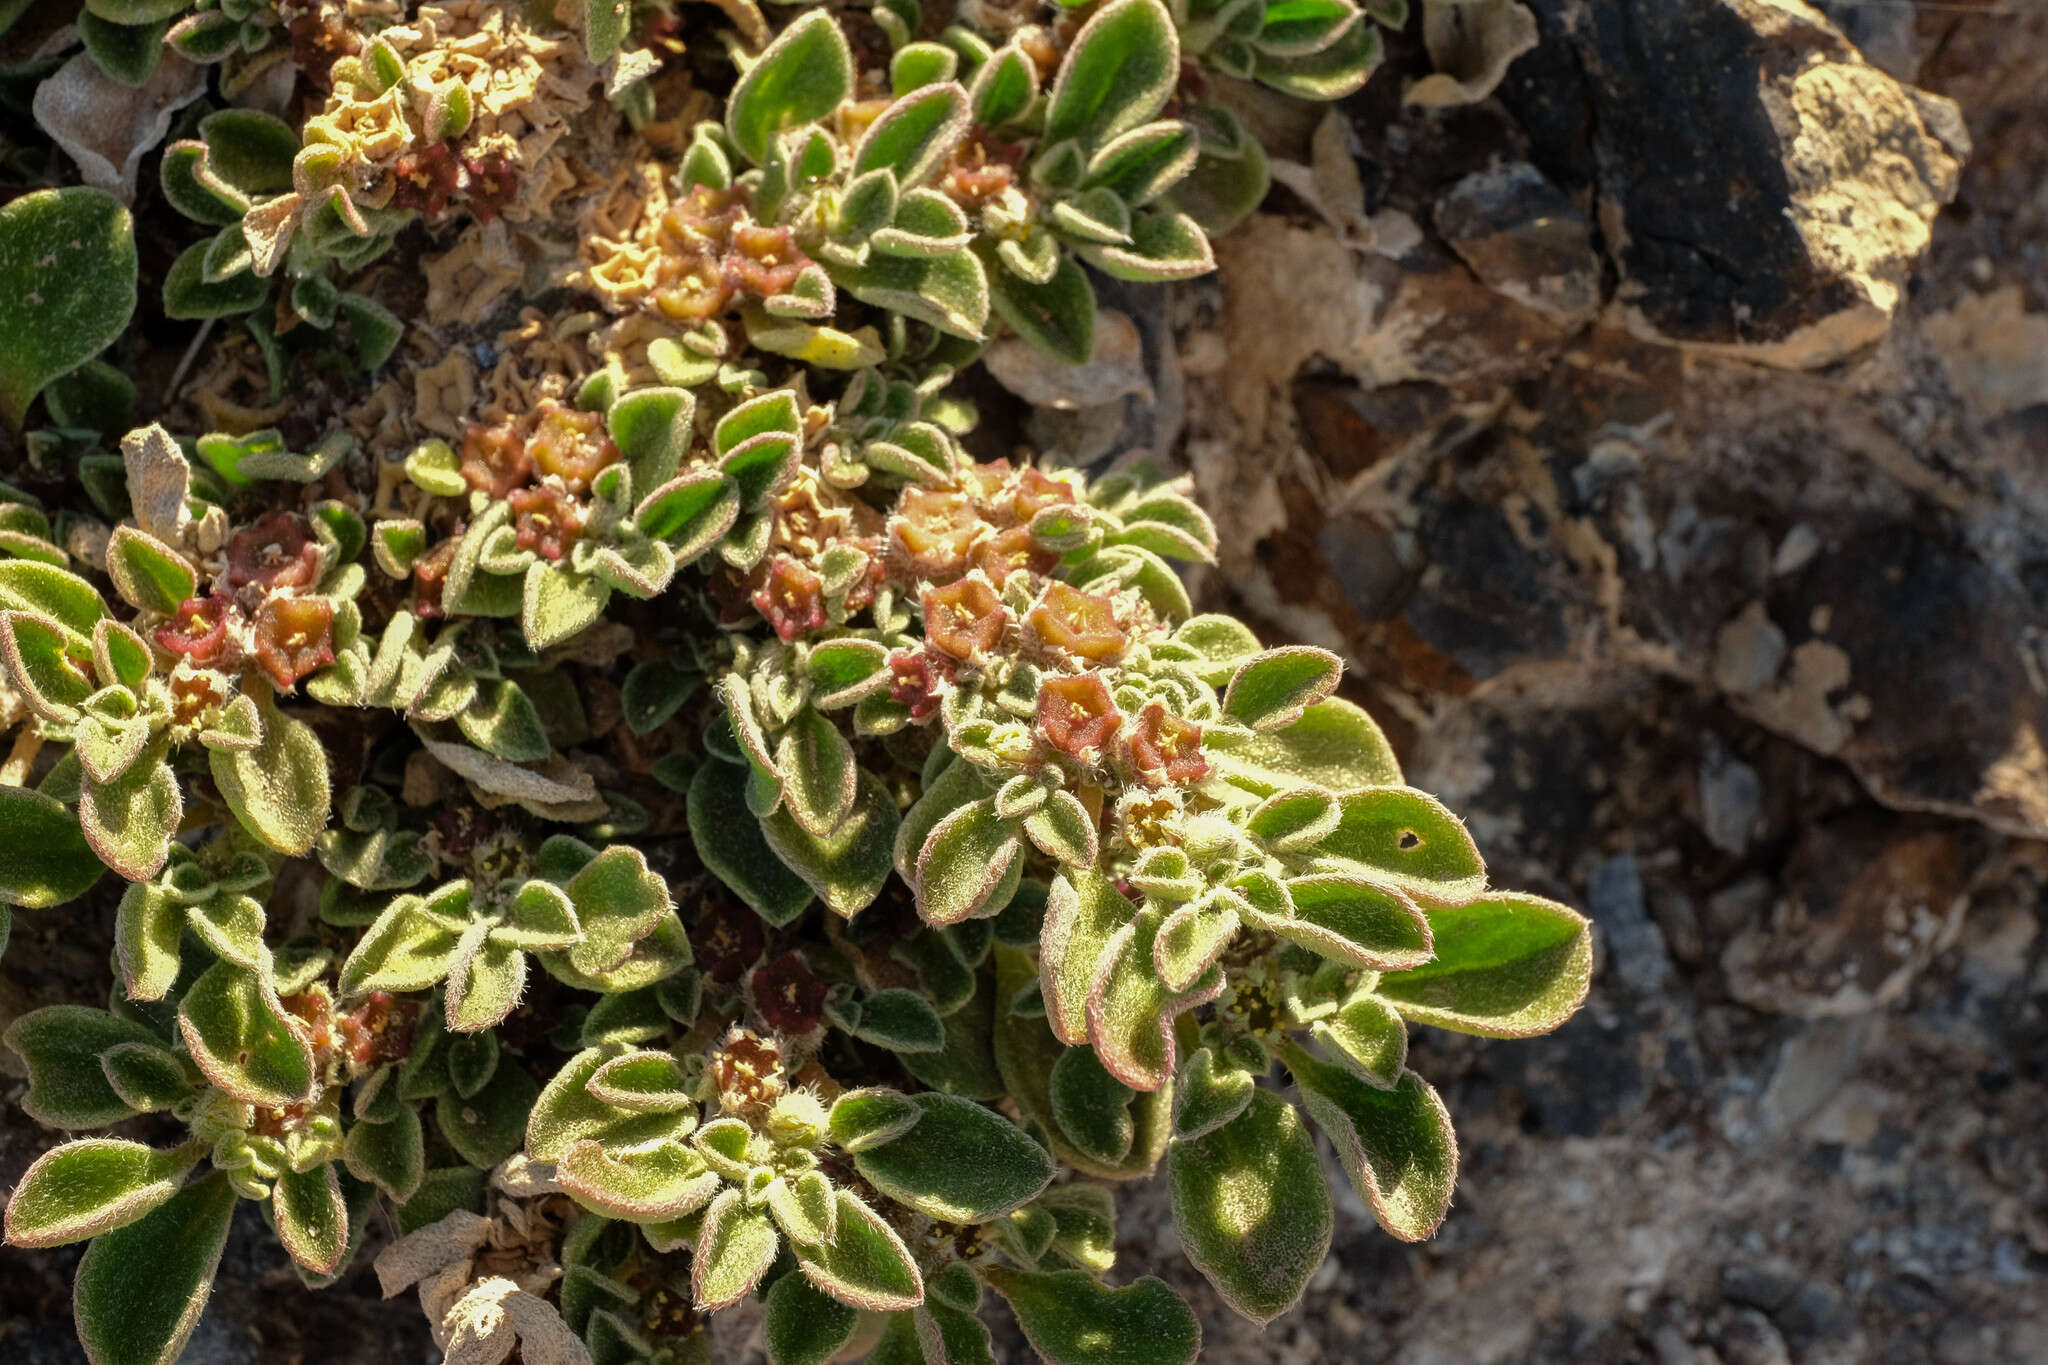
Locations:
(1717, 603)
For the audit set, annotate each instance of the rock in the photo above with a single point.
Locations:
(1766, 1283)
(1764, 191)
(1746, 1337)
(1811, 1068)
(1524, 238)
(1731, 798)
(1994, 351)
(1863, 907)
(1635, 945)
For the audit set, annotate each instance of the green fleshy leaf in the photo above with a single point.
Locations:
(800, 78)
(557, 603)
(848, 868)
(860, 1119)
(913, 137)
(1397, 1145)
(1064, 831)
(311, 1217)
(38, 660)
(818, 772)
(485, 981)
(44, 857)
(1406, 839)
(279, 790)
(1270, 691)
(619, 903)
(649, 1184)
(648, 1082)
(652, 429)
(148, 573)
(489, 1126)
(1117, 75)
(1004, 88)
(1071, 1318)
(250, 150)
(966, 858)
(1025, 1053)
(1506, 966)
(1092, 1107)
(1348, 919)
(62, 1046)
(130, 821)
(1082, 917)
(1368, 1037)
(803, 1326)
(402, 951)
(902, 1021)
(390, 1155)
(1131, 1012)
(192, 196)
(961, 1162)
(141, 1288)
(566, 1113)
(729, 840)
(91, 1186)
(865, 1265)
(67, 288)
(243, 1040)
(1329, 74)
(1335, 745)
(732, 1253)
(1142, 164)
(605, 23)
(948, 292)
(1208, 1094)
(59, 596)
(189, 296)
(1251, 1207)
(148, 1078)
(1057, 316)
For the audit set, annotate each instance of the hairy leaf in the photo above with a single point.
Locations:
(960, 1162)
(1071, 1318)
(141, 1288)
(1397, 1145)
(1251, 1206)
(90, 1186)
(1506, 966)
(67, 287)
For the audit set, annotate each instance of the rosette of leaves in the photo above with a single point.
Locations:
(783, 811)
(862, 210)
(598, 921)
(95, 682)
(881, 427)
(1310, 49)
(455, 677)
(244, 169)
(216, 30)
(1103, 160)
(720, 504)
(239, 1056)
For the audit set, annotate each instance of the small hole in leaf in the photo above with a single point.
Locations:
(1409, 841)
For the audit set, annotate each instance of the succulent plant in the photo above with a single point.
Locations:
(675, 813)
